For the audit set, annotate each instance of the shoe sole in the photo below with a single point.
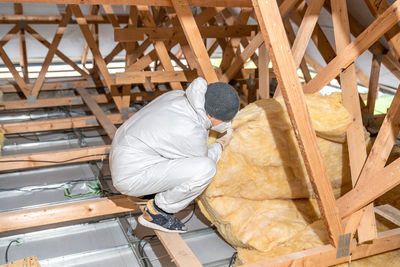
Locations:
(154, 226)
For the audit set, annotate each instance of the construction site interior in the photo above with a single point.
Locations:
(310, 178)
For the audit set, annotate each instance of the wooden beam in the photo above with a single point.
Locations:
(238, 62)
(185, 47)
(393, 35)
(55, 19)
(72, 101)
(52, 50)
(155, 76)
(96, 55)
(56, 124)
(263, 72)
(101, 117)
(370, 35)
(164, 33)
(363, 194)
(374, 172)
(179, 251)
(318, 36)
(389, 212)
(252, 46)
(50, 86)
(388, 59)
(306, 29)
(17, 78)
(62, 213)
(355, 132)
(93, 10)
(326, 255)
(23, 59)
(9, 35)
(61, 55)
(41, 159)
(271, 25)
(193, 37)
(373, 87)
(201, 3)
(159, 46)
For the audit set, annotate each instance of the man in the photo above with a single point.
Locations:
(162, 149)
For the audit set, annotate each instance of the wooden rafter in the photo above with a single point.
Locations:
(61, 55)
(374, 170)
(23, 59)
(159, 46)
(193, 37)
(61, 213)
(97, 55)
(355, 132)
(92, 11)
(369, 36)
(52, 51)
(101, 117)
(201, 3)
(269, 19)
(42, 159)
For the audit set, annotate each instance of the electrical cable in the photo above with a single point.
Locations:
(8, 247)
(51, 161)
(191, 216)
(141, 247)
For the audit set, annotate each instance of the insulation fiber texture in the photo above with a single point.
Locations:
(261, 200)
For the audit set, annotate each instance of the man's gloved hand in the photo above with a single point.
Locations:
(225, 139)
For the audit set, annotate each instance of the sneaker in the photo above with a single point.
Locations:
(158, 220)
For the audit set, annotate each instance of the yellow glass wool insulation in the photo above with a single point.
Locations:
(261, 200)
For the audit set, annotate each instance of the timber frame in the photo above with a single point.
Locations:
(165, 24)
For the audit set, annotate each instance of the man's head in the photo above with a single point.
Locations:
(221, 102)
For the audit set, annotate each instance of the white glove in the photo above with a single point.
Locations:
(225, 139)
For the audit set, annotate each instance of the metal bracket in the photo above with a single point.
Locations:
(91, 121)
(125, 113)
(31, 99)
(22, 24)
(343, 248)
(76, 100)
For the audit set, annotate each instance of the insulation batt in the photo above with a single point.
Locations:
(261, 200)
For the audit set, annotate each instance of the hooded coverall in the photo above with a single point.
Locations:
(163, 149)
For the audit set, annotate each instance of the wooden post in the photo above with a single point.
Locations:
(68, 212)
(263, 72)
(159, 46)
(375, 163)
(19, 81)
(61, 55)
(23, 60)
(271, 25)
(96, 54)
(355, 132)
(369, 36)
(193, 36)
(373, 87)
(105, 122)
(52, 50)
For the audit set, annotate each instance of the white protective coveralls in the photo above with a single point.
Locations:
(163, 149)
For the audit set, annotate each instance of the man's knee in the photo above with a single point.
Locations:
(206, 167)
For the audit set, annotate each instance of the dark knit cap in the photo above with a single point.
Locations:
(222, 101)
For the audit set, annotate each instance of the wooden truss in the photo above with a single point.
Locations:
(149, 62)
